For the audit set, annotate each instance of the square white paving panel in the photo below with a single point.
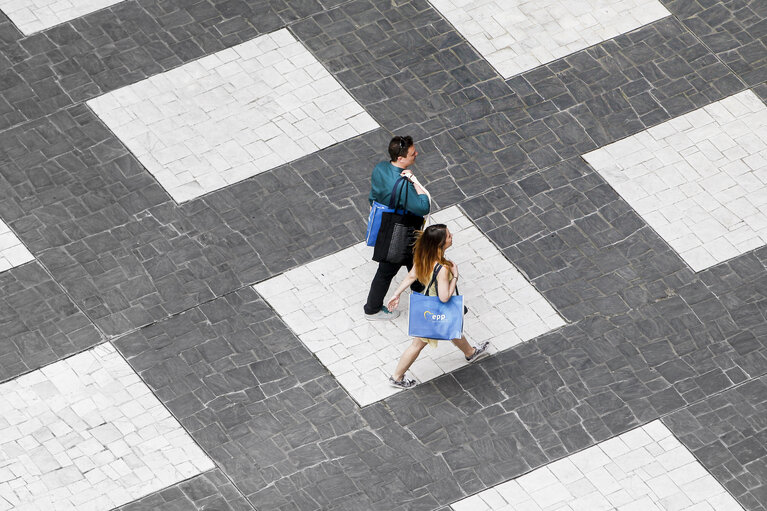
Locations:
(518, 35)
(85, 433)
(232, 115)
(12, 250)
(322, 303)
(34, 15)
(645, 469)
(699, 180)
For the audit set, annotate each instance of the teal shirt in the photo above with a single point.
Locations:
(382, 181)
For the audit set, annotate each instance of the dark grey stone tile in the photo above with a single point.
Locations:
(727, 433)
(646, 338)
(125, 43)
(208, 491)
(735, 30)
(128, 255)
(629, 83)
(236, 379)
(39, 323)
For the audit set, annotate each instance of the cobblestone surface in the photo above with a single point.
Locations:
(320, 302)
(122, 44)
(733, 29)
(232, 115)
(86, 433)
(699, 180)
(524, 35)
(727, 434)
(40, 322)
(646, 468)
(208, 491)
(12, 251)
(42, 14)
(128, 255)
(171, 284)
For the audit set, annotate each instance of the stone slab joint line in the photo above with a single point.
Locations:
(645, 467)
(716, 55)
(212, 458)
(102, 335)
(250, 504)
(663, 418)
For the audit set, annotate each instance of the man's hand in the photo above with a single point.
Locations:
(407, 174)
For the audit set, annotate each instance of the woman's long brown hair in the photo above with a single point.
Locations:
(429, 248)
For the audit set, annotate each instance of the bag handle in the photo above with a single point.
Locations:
(437, 267)
(406, 188)
(433, 280)
(393, 198)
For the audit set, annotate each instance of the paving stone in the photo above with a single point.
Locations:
(284, 439)
(85, 432)
(128, 255)
(12, 251)
(699, 180)
(232, 115)
(726, 432)
(645, 468)
(209, 490)
(519, 37)
(39, 321)
(734, 30)
(122, 44)
(647, 336)
(43, 14)
(321, 303)
(631, 82)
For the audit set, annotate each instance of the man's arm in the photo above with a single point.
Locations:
(418, 200)
(375, 179)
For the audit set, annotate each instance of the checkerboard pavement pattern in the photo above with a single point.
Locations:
(232, 115)
(645, 469)
(36, 15)
(321, 303)
(87, 433)
(700, 179)
(12, 250)
(518, 36)
(168, 279)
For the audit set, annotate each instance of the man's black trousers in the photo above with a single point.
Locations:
(380, 285)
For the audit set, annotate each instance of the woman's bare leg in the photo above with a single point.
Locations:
(463, 345)
(407, 358)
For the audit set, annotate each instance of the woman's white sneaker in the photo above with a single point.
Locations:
(480, 352)
(382, 315)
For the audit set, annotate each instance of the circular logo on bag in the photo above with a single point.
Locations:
(433, 317)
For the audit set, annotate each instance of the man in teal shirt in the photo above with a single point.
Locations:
(402, 153)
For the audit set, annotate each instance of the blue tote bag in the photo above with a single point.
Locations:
(378, 209)
(432, 318)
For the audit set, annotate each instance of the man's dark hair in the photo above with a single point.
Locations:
(399, 146)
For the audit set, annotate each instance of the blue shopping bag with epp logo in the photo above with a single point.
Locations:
(432, 318)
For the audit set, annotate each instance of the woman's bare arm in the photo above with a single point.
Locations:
(394, 300)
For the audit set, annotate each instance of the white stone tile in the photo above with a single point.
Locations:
(12, 251)
(706, 203)
(322, 302)
(590, 480)
(519, 35)
(232, 115)
(35, 15)
(87, 433)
